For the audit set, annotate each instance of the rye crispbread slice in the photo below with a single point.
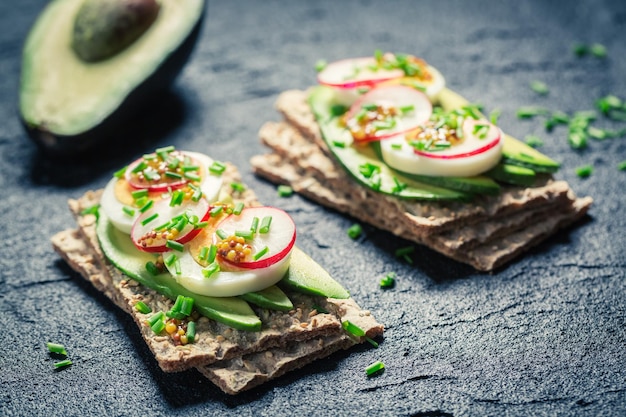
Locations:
(216, 344)
(485, 233)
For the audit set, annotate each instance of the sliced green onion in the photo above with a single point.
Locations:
(584, 171)
(598, 50)
(580, 49)
(255, 224)
(57, 348)
(165, 150)
(237, 186)
(181, 223)
(187, 306)
(142, 307)
(529, 111)
(265, 224)
(375, 368)
(355, 330)
(192, 176)
(261, 253)
(191, 332)
(211, 269)
(152, 268)
(533, 141)
(151, 174)
(246, 234)
(221, 234)
(120, 172)
(149, 219)
(140, 167)
(539, 87)
(339, 144)
(238, 208)
(494, 116)
(174, 245)
(177, 198)
(139, 193)
(212, 253)
(128, 211)
(155, 318)
(398, 186)
(355, 231)
(146, 206)
(388, 281)
(284, 191)
(320, 65)
(338, 110)
(62, 364)
(178, 303)
(319, 309)
(169, 261)
(217, 168)
(177, 269)
(396, 146)
(204, 253)
(216, 211)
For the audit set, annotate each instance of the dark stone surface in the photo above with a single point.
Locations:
(544, 336)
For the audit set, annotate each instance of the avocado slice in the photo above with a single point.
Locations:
(516, 152)
(69, 103)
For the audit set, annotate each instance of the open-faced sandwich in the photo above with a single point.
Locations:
(212, 278)
(382, 139)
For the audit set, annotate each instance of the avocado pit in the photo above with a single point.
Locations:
(103, 28)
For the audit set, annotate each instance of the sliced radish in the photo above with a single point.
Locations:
(154, 173)
(472, 156)
(232, 278)
(431, 87)
(356, 73)
(162, 223)
(387, 111)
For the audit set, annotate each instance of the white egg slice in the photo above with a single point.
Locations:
(473, 156)
(114, 209)
(230, 279)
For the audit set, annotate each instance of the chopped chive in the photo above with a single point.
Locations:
(192, 176)
(265, 224)
(339, 144)
(170, 259)
(162, 226)
(320, 65)
(580, 49)
(151, 175)
(598, 50)
(204, 253)
(141, 201)
(140, 167)
(139, 193)
(375, 368)
(57, 348)
(622, 166)
(608, 103)
(173, 175)
(158, 327)
(155, 318)
(599, 134)
(222, 234)
(407, 250)
(237, 186)
(146, 206)
(152, 268)
(142, 307)
(284, 191)
(338, 110)
(388, 281)
(529, 111)
(200, 225)
(212, 253)
(216, 211)
(181, 223)
(354, 231)
(174, 245)
(91, 210)
(396, 146)
(584, 171)
(211, 269)
(407, 108)
(352, 328)
(188, 168)
(494, 116)
(539, 87)
(62, 364)
(191, 332)
(178, 303)
(177, 198)
(246, 234)
(261, 253)
(165, 150)
(187, 306)
(398, 186)
(577, 139)
(177, 269)
(238, 208)
(320, 309)
(255, 224)
(120, 172)
(534, 141)
(217, 168)
(149, 219)
(128, 211)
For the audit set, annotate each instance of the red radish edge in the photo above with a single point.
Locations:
(264, 263)
(182, 240)
(480, 150)
(361, 83)
(153, 187)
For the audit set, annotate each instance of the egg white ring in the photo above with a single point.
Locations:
(225, 283)
(406, 160)
(113, 208)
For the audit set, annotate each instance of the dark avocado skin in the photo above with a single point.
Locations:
(110, 130)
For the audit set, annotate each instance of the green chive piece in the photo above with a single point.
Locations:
(192, 176)
(388, 280)
(584, 171)
(174, 245)
(91, 210)
(178, 303)
(355, 231)
(204, 253)
(622, 166)
(237, 186)
(57, 348)
(338, 110)
(158, 326)
(494, 116)
(217, 168)
(188, 168)
(339, 144)
(407, 250)
(152, 268)
(580, 49)
(221, 234)
(177, 198)
(216, 211)
(371, 342)
(598, 50)
(142, 307)
(180, 225)
(140, 167)
(261, 253)
(187, 306)
(398, 186)
(320, 309)
(246, 234)
(177, 269)
(139, 193)
(530, 111)
(539, 87)
(255, 224)
(212, 253)
(396, 146)
(533, 140)
(146, 206)
(62, 364)
(165, 150)
(238, 208)
(169, 261)
(320, 65)
(155, 318)
(128, 211)
(191, 332)
(120, 172)
(211, 269)
(149, 219)
(265, 224)
(375, 368)
(352, 328)
(284, 191)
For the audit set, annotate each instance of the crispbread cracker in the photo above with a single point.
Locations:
(485, 233)
(281, 334)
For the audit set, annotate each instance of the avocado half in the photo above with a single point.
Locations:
(69, 105)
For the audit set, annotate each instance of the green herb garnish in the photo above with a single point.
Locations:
(355, 231)
(584, 171)
(375, 368)
(142, 307)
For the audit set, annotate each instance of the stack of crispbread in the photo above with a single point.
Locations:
(232, 359)
(485, 233)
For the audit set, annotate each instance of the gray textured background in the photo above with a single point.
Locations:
(544, 336)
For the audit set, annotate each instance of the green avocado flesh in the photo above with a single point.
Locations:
(353, 158)
(310, 278)
(63, 95)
